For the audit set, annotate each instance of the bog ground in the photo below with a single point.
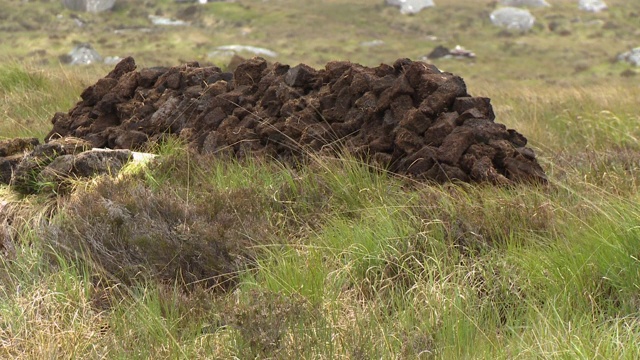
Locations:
(192, 256)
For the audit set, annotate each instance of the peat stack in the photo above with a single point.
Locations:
(409, 117)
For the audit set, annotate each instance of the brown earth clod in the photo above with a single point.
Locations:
(417, 120)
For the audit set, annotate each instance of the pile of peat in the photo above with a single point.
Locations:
(408, 117)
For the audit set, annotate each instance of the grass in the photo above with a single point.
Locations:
(361, 265)
(30, 96)
(384, 272)
(192, 256)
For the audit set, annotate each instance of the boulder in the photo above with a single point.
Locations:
(457, 52)
(112, 60)
(93, 6)
(525, 3)
(163, 21)
(409, 7)
(439, 52)
(632, 56)
(513, 19)
(231, 50)
(592, 5)
(82, 54)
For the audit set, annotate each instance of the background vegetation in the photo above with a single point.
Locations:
(196, 257)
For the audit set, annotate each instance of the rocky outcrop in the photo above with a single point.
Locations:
(409, 117)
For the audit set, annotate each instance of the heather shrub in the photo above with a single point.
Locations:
(135, 230)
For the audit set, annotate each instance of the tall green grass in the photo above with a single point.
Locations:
(30, 96)
(360, 264)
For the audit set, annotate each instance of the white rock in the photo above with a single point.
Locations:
(230, 50)
(112, 60)
(94, 6)
(513, 18)
(632, 56)
(411, 6)
(592, 5)
(84, 54)
(525, 3)
(159, 20)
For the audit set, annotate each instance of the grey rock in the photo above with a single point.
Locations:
(93, 6)
(230, 50)
(439, 52)
(525, 3)
(411, 6)
(83, 54)
(632, 56)
(112, 60)
(513, 19)
(458, 52)
(592, 5)
(159, 20)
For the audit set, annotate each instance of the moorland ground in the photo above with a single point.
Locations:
(347, 262)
